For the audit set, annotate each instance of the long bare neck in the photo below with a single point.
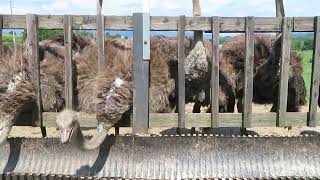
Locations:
(8, 119)
(92, 143)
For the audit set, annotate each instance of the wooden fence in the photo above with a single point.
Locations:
(142, 120)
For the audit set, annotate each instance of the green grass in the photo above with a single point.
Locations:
(307, 69)
(8, 40)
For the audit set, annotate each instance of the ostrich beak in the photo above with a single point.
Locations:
(65, 135)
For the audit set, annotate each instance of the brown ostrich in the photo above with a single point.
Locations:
(109, 93)
(266, 71)
(17, 96)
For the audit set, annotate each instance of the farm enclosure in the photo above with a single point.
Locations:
(143, 155)
(247, 25)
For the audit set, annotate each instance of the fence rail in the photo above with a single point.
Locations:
(162, 23)
(140, 22)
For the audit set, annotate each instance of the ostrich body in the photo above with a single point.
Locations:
(109, 93)
(17, 95)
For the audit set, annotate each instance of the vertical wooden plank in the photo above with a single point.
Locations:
(100, 35)
(279, 8)
(34, 66)
(67, 21)
(141, 57)
(248, 74)
(181, 72)
(284, 72)
(198, 35)
(215, 73)
(1, 27)
(314, 93)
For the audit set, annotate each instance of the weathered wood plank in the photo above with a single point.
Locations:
(284, 73)
(181, 72)
(100, 36)
(140, 74)
(314, 93)
(68, 61)
(215, 73)
(162, 23)
(279, 8)
(1, 27)
(248, 74)
(303, 24)
(34, 66)
(198, 35)
(294, 119)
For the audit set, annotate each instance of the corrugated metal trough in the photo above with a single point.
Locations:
(167, 157)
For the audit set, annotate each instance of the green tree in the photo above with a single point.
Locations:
(307, 44)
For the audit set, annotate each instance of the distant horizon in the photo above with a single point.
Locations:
(129, 34)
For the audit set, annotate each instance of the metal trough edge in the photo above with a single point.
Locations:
(166, 157)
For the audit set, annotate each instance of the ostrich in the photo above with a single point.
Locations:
(17, 95)
(267, 54)
(109, 93)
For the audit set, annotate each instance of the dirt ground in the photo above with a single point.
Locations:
(53, 132)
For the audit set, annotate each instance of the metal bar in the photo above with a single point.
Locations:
(100, 36)
(248, 75)
(314, 93)
(178, 157)
(215, 73)
(141, 57)
(181, 72)
(34, 66)
(284, 72)
(68, 61)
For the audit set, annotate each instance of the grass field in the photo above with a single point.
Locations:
(8, 40)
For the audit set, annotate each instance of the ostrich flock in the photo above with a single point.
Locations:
(109, 93)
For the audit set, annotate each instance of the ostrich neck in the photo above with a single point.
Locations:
(92, 143)
(6, 121)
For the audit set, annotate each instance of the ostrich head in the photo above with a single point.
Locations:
(67, 122)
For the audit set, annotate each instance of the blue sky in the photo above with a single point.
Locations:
(163, 7)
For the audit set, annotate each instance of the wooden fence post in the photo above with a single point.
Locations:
(248, 74)
(141, 58)
(279, 10)
(34, 67)
(67, 21)
(215, 73)
(100, 36)
(314, 93)
(198, 35)
(284, 72)
(1, 26)
(181, 73)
